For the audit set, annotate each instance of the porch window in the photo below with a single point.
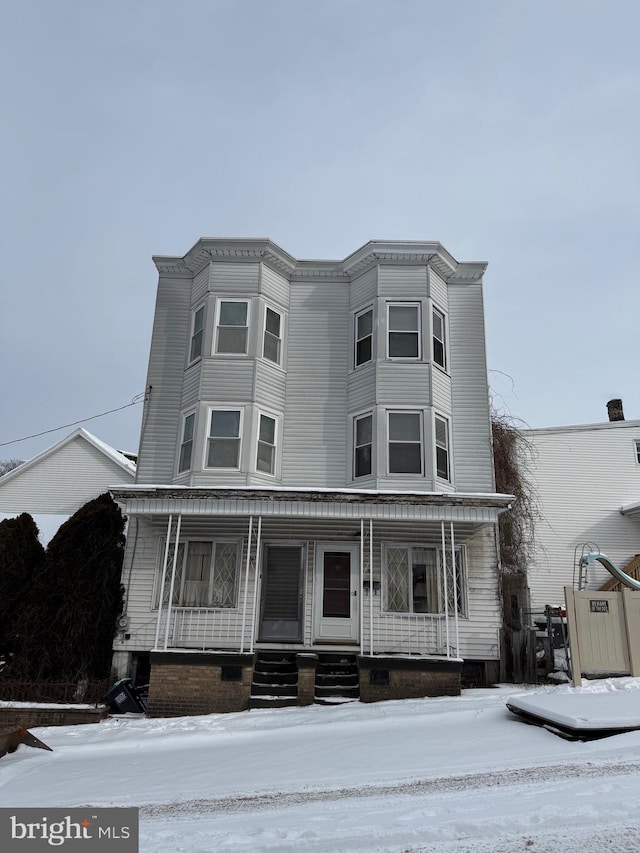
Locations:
(223, 449)
(186, 447)
(405, 442)
(442, 448)
(414, 583)
(206, 574)
(403, 327)
(272, 346)
(266, 458)
(363, 337)
(439, 349)
(232, 327)
(197, 333)
(362, 443)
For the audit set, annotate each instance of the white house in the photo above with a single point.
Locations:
(314, 507)
(587, 479)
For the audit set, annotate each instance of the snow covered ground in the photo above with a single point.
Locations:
(450, 774)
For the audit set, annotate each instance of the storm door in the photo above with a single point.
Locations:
(282, 594)
(336, 591)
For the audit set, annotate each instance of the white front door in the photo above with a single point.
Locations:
(336, 592)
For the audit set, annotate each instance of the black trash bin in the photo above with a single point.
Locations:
(123, 699)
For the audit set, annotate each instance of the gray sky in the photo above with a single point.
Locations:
(507, 130)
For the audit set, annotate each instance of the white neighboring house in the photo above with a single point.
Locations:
(588, 483)
(54, 484)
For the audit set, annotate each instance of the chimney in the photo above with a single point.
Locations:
(614, 407)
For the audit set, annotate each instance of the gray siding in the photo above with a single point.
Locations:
(274, 287)
(438, 290)
(191, 385)
(270, 383)
(441, 391)
(239, 278)
(399, 383)
(200, 285)
(364, 289)
(161, 417)
(472, 454)
(402, 282)
(227, 380)
(361, 387)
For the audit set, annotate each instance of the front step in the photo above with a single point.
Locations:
(275, 681)
(337, 679)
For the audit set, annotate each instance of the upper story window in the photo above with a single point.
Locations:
(363, 337)
(405, 442)
(223, 443)
(266, 456)
(232, 327)
(206, 574)
(403, 329)
(362, 445)
(186, 445)
(272, 346)
(197, 333)
(442, 448)
(637, 449)
(438, 338)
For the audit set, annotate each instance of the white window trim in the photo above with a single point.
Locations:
(447, 422)
(157, 590)
(402, 304)
(219, 300)
(221, 407)
(181, 442)
(276, 446)
(282, 316)
(445, 366)
(368, 413)
(462, 581)
(194, 311)
(356, 315)
(401, 411)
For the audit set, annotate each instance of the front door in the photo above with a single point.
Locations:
(336, 593)
(281, 599)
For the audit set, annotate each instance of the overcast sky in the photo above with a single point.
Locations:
(507, 130)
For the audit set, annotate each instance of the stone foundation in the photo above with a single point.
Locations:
(307, 665)
(184, 683)
(388, 677)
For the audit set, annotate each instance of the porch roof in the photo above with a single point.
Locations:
(312, 503)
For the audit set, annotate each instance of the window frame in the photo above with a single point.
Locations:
(280, 339)
(636, 447)
(446, 448)
(183, 442)
(357, 340)
(419, 413)
(220, 301)
(356, 446)
(194, 314)
(209, 437)
(418, 331)
(159, 595)
(444, 365)
(436, 550)
(274, 446)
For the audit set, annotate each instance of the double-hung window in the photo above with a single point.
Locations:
(197, 333)
(232, 327)
(272, 345)
(405, 442)
(362, 445)
(443, 467)
(266, 456)
(363, 337)
(415, 583)
(403, 329)
(636, 444)
(206, 574)
(223, 443)
(186, 446)
(438, 338)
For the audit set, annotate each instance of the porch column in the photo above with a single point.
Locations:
(254, 609)
(164, 576)
(446, 589)
(246, 583)
(361, 605)
(371, 586)
(454, 571)
(173, 581)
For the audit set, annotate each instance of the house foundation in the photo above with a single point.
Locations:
(385, 677)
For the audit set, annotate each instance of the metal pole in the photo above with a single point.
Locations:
(446, 588)
(246, 583)
(173, 580)
(255, 584)
(371, 585)
(362, 586)
(454, 569)
(164, 575)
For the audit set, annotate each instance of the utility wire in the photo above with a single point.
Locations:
(136, 400)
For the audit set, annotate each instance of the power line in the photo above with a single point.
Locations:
(136, 400)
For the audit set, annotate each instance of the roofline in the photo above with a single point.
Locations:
(582, 427)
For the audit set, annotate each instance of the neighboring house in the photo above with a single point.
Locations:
(587, 479)
(315, 480)
(61, 479)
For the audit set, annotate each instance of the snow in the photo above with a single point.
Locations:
(448, 774)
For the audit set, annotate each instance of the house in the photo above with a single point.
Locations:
(314, 509)
(54, 484)
(587, 480)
